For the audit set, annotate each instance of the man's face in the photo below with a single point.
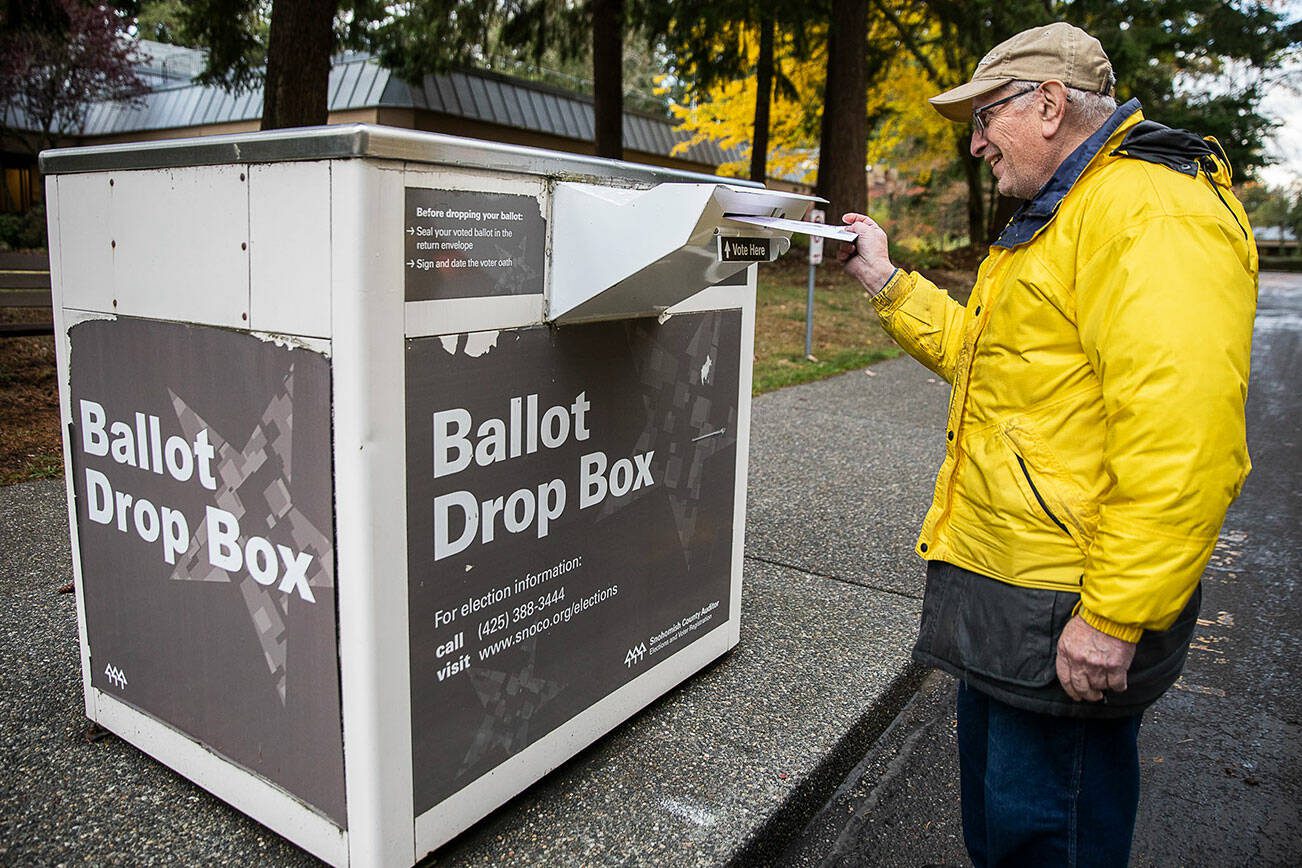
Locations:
(1011, 143)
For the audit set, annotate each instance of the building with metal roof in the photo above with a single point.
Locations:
(1276, 241)
(477, 104)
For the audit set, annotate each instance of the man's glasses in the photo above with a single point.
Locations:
(979, 120)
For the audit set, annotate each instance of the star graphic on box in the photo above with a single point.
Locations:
(253, 485)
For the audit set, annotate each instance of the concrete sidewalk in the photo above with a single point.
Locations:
(725, 769)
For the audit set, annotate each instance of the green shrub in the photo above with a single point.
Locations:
(24, 231)
(916, 255)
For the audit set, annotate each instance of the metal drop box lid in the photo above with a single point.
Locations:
(357, 141)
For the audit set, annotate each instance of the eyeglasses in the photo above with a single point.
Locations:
(978, 114)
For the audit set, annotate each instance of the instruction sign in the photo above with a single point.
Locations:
(207, 543)
(460, 244)
(733, 249)
(570, 523)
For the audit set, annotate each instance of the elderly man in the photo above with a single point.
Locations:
(1094, 442)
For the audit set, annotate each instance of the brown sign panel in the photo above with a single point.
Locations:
(201, 462)
(570, 523)
(460, 244)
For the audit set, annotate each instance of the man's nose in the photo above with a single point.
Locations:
(978, 144)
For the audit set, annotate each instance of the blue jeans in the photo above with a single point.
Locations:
(1044, 790)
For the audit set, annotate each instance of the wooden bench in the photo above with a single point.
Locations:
(25, 282)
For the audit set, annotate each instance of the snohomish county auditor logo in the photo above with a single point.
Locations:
(116, 676)
(635, 655)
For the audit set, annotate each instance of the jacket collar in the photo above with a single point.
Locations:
(1039, 212)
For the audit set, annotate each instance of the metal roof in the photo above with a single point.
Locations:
(346, 141)
(173, 63)
(1275, 234)
(358, 81)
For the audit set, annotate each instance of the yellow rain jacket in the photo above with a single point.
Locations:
(1095, 435)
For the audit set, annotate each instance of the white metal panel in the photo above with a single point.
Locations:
(82, 206)
(458, 315)
(443, 178)
(744, 386)
(601, 237)
(167, 244)
(289, 255)
(267, 803)
(440, 178)
(736, 199)
(715, 298)
(370, 510)
(63, 320)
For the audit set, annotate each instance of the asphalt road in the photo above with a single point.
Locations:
(1221, 754)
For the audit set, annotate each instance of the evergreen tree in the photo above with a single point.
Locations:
(431, 36)
(843, 145)
(712, 41)
(286, 45)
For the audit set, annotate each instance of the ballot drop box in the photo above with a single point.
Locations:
(400, 467)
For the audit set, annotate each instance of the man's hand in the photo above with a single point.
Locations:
(866, 259)
(1090, 661)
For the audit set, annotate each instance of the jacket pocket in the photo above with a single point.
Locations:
(1035, 492)
(1050, 486)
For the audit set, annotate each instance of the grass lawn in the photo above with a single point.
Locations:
(847, 335)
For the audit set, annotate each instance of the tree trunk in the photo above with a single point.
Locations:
(297, 85)
(1005, 208)
(843, 145)
(976, 212)
(759, 152)
(608, 77)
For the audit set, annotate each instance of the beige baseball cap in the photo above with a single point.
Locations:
(1057, 51)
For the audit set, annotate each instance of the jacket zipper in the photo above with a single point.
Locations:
(1036, 492)
(998, 267)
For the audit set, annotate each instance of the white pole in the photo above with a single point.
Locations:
(815, 259)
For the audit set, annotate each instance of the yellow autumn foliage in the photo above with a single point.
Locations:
(909, 136)
(906, 134)
(727, 116)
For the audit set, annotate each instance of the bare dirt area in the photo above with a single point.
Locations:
(30, 446)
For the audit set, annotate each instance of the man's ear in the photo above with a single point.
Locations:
(1052, 108)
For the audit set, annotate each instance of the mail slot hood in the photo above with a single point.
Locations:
(626, 253)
